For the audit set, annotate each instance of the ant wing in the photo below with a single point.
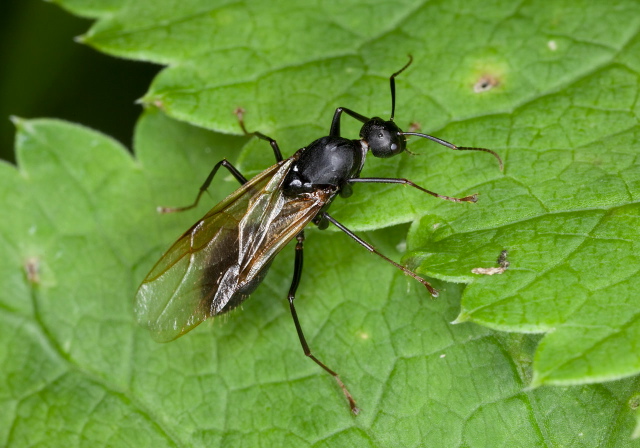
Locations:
(220, 260)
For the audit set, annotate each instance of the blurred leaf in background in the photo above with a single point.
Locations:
(45, 73)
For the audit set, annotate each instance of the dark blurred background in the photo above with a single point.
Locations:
(44, 73)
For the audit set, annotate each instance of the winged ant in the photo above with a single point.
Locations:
(216, 264)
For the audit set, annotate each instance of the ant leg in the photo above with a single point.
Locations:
(297, 273)
(276, 150)
(384, 180)
(225, 163)
(335, 123)
(370, 248)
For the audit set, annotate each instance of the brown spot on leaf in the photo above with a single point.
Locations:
(503, 264)
(485, 83)
(32, 269)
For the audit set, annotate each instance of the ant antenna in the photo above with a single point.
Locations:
(392, 82)
(452, 146)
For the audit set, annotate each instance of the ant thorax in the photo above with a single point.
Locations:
(328, 161)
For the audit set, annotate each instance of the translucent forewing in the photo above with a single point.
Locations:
(223, 252)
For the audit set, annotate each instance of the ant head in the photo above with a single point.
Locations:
(384, 138)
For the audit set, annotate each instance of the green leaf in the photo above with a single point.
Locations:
(80, 371)
(551, 87)
(567, 213)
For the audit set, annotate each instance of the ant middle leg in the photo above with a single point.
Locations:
(225, 163)
(276, 149)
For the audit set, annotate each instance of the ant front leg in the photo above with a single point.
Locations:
(335, 123)
(385, 180)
